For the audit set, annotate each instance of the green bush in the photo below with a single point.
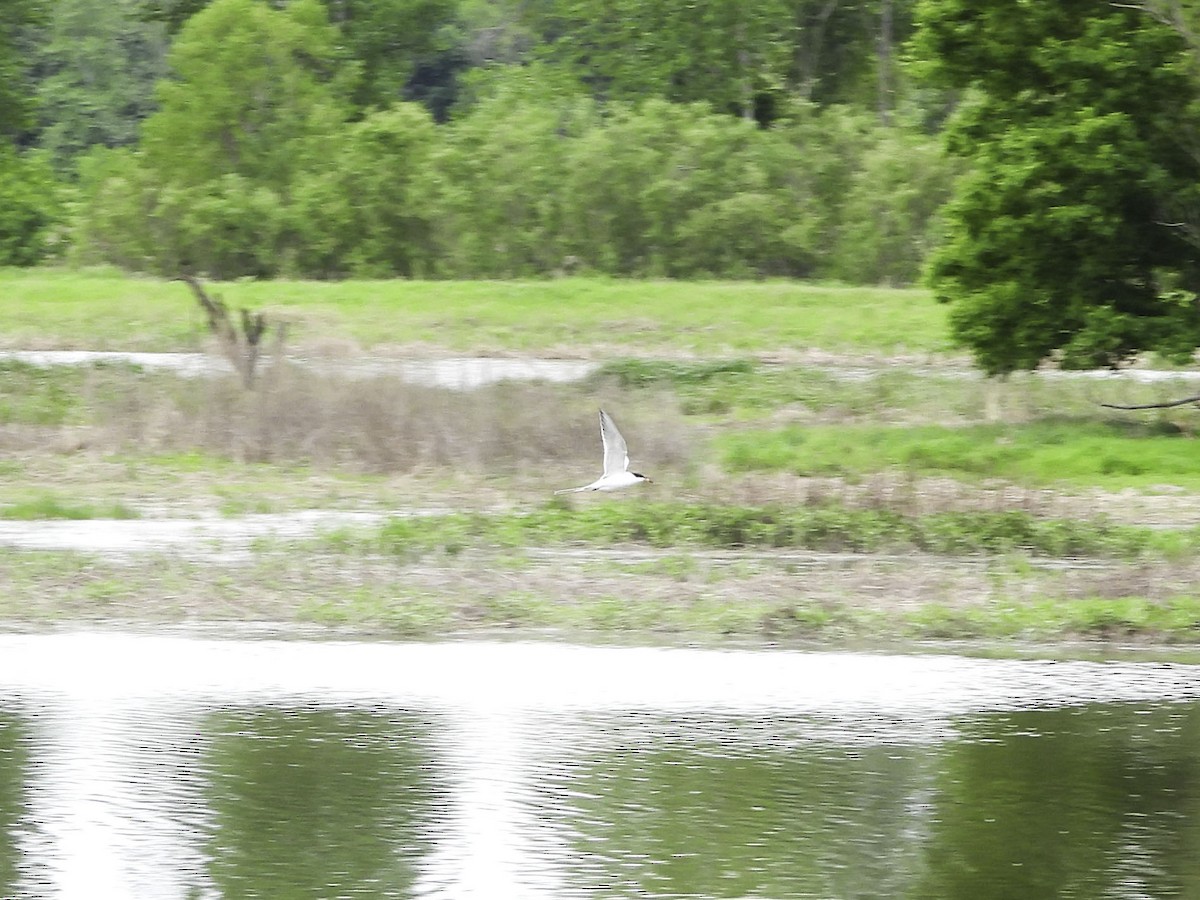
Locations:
(29, 208)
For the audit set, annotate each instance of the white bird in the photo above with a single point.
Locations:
(616, 462)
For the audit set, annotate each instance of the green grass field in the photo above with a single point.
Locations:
(1112, 455)
(968, 503)
(98, 310)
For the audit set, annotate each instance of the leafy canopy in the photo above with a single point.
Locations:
(255, 92)
(1062, 239)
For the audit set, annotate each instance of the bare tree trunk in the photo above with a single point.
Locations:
(809, 63)
(884, 44)
(745, 84)
(240, 348)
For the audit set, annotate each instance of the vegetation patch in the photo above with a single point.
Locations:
(39, 395)
(107, 311)
(725, 386)
(1108, 618)
(1175, 620)
(825, 528)
(53, 506)
(1109, 454)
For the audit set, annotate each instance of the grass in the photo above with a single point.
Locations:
(104, 310)
(1109, 618)
(419, 615)
(738, 386)
(1111, 455)
(709, 418)
(33, 395)
(52, 506)
(387, 599)
(1176, 620)
(823, 528)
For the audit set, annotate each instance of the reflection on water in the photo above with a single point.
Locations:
(319, 802)
(1094, 801)
(13, 769)
(1098, 801)
(689, 809)
(176, 767)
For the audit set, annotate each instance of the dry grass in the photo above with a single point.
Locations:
(380, 424)
(823, 596)
(157, 439)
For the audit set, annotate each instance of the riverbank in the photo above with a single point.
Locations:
(821, 599)
(818, 575)
(829, 492)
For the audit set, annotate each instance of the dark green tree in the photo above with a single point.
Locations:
(171, 13)
(365, 214)
(29, 207)
(396, 41)
(254, 93)
(256, 97)
(407, 49)
(18, 20)
(97, 65)
(729, 53)
(1064, 238)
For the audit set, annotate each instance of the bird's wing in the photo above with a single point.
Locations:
(616, 454)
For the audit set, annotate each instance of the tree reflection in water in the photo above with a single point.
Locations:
(310, 802)
(1095, 801)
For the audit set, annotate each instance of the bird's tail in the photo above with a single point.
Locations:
(570, 490)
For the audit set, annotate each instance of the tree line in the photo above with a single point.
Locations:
(470, 138)
(1038, 163)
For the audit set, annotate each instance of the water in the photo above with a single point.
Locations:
(454, 373)
(179, 766)
(201, 537)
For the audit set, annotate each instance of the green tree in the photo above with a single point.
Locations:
(97, 63)
(116, 221)
(18, 19)
(729, 53)
(255, 93)
(407, 49)
(392, 40)
(171, 13)
(887, 216)
(496, 179)
(676, 190)
(366, 215)
(1059, 239)
(29, 207)
(258, 97)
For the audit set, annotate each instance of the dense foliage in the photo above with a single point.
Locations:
(1071, 235)
(669, 138)
(472, 138)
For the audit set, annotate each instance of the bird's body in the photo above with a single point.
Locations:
(616, 462)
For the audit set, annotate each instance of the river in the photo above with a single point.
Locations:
(183, 764)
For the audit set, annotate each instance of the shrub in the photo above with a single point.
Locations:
(29, 207)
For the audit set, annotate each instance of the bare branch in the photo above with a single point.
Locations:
(241, 349)
(1167, 405)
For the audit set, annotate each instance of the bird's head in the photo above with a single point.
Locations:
(642, 478)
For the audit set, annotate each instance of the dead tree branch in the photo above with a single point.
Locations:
(241, 348)
(1166, 405)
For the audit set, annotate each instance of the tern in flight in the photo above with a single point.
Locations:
(616, 462)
